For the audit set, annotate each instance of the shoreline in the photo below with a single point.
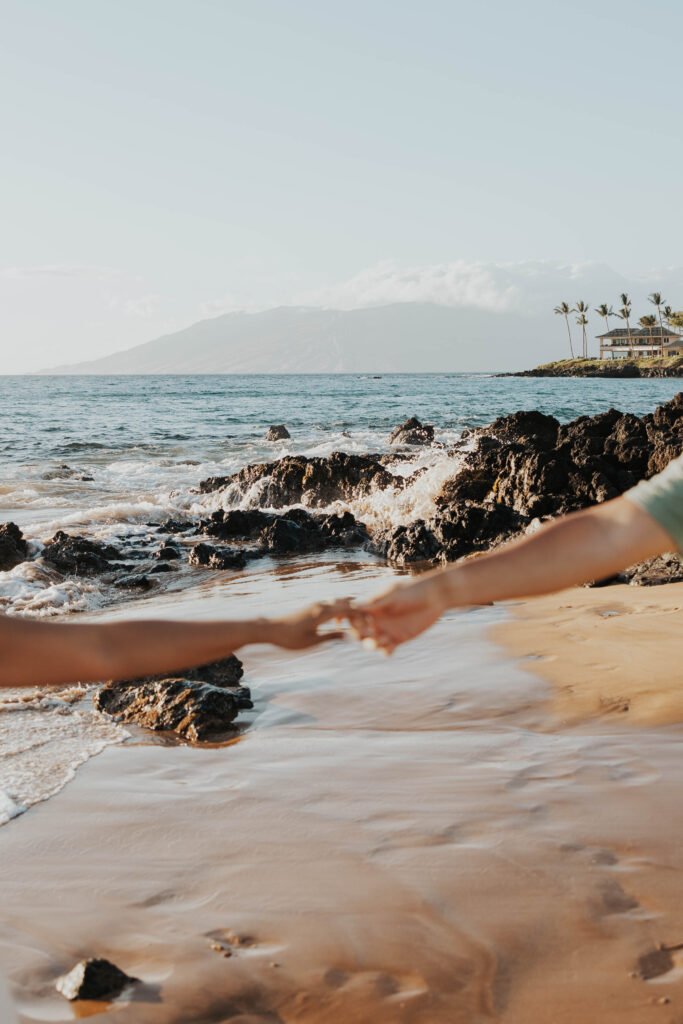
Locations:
(393, 840)
(622, 368)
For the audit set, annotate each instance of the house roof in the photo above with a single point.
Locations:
(643, 333)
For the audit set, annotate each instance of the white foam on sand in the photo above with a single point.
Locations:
(44, 737)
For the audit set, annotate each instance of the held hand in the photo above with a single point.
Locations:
(400, 614)
(300, 630)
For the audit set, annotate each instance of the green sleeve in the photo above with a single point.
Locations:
(662, 498)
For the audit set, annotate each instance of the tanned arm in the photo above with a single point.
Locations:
(580, 547)
(43, 653)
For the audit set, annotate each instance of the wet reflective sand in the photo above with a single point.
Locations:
(412, 839)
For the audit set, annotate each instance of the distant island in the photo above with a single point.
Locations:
(667, 366)
(408, 337)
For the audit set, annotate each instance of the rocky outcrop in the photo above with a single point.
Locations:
(668, 366)
(93, 979)
(662, 569)
(314, 482)
(167, 552)
(536, 466)
(217, 558)
(65, 472)
(173, 526)
(135, 581)
(412, 432)
(528, 466)
(236, 524)
(78, 556)
(460, 531)
(296, 531)
(196, 705)
(278, 432)
(13, 547)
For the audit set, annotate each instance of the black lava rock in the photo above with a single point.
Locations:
(13, 547)
(412, 432)
(78, 556)
(217, 558)
(278, 432)
(93, 979)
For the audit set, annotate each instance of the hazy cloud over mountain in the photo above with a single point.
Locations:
(528, 287)
(85, 313)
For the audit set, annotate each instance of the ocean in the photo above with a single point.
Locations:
(110, 457)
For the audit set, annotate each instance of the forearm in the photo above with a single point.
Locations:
(587, 545)
(51, 653)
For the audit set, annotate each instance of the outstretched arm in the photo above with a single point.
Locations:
(580, 547)
(45, 653)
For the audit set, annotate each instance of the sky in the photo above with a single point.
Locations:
(162, 161)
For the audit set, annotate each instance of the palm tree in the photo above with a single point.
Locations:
(582, 308)
(605, 312)
(657, 300)
(582, 321)
(649, 323)
(624, 313)
(564, 310)
(675, 319)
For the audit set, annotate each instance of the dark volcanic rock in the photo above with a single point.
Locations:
(167, 553)
(295, 530)
(13, 547)
(537, 467)
(297, 480)
(285, 537)
(217, 558)
(194, 710)
(412, 432)
(445, 538)
(522, 467)
(134, 581)
(278, 432)
(173, 526)
(65, 472)
(223, 673)
(93, 979)
(662, 569)
(78, 556)
(236, 524)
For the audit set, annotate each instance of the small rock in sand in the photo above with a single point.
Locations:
(93, 979)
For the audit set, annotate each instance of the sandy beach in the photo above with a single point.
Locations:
(419, 839)
(607, 650)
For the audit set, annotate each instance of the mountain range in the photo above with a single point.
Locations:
(404, 337)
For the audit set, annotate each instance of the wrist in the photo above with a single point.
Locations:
(451, 588)
(258, 631)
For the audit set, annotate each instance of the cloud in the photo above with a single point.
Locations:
(60, 270)
(145, 305)
(533, 287)
(227, 304)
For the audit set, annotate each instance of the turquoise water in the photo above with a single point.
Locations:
(67, 418)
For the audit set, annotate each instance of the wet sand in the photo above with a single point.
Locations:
(413, 839)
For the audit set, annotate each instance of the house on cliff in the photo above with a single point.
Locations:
(640, 343)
